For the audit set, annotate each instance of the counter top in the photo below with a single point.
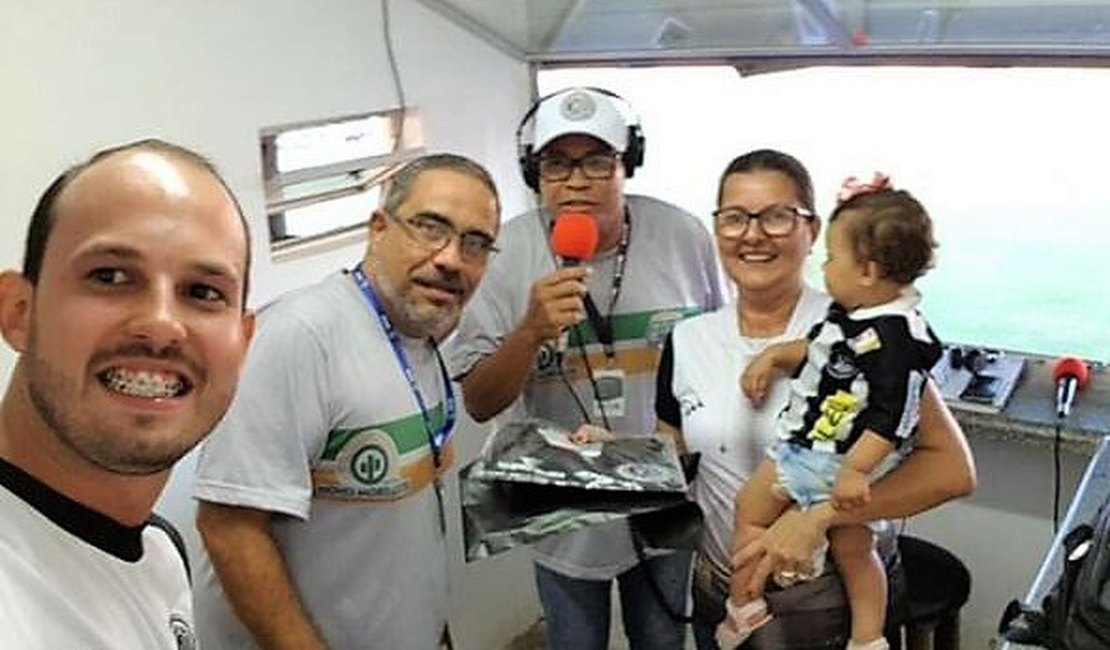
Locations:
(1029, 416)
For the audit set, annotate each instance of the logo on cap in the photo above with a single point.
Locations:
(577, 107)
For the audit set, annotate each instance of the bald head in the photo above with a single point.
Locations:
(130, 320)
(170, 168)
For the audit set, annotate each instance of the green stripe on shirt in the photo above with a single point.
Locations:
(408, 433)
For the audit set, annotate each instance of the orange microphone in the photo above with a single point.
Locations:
(574, 237)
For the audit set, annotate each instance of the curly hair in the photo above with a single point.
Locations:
(892, 229)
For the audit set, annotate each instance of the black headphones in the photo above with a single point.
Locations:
(631, 158)
(974, 360)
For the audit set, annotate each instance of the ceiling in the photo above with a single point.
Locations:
(556, 32)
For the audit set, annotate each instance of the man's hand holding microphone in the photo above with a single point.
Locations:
(556, 301)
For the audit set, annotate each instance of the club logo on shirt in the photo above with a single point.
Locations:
(369, 464)
(182, 632)
(841, 363)
(365, 468)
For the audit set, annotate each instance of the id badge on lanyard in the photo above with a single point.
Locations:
(610, 392)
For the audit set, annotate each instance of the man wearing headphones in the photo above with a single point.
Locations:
(525, 344)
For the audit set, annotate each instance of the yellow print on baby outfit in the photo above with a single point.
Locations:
(837, 412)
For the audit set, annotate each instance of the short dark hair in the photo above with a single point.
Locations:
(45, 215)
(400, 185)
(892, 229)
(773, 161)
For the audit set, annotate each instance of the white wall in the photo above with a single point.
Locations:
(76, 76)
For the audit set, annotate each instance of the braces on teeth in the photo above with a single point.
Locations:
(143, 384)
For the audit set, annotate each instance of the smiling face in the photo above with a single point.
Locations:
(754, 261)
(133, 336)
(424, 288)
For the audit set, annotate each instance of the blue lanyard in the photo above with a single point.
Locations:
(436, 439)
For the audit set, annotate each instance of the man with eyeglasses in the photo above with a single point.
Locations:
(655, 265)
(320, 502)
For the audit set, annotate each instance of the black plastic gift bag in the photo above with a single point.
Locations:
(532, 482)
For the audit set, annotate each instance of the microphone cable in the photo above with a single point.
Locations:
(561, 369)
(1056, 479)
(1070, 374)
(581, 345)
(570, 388)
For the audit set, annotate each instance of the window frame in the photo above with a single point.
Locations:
(406, 144)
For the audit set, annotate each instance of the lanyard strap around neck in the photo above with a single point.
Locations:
(437, 439)
(603, 325)
(622, 259)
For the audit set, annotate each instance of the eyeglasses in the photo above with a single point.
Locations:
(594, 166)
(774, 220)
(437, 233)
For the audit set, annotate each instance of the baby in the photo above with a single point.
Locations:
(853, 411)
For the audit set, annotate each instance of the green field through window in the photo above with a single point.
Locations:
(1011, 163)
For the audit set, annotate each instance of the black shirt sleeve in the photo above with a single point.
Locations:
(891, 371)
(666, 404)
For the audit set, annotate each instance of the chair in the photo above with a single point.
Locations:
(937, 584)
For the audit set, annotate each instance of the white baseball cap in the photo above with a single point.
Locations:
(581, 111)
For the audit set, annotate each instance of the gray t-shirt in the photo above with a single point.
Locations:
(670, 273)
(325, 432)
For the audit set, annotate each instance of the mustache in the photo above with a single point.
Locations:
(448, 280)
(171, 353)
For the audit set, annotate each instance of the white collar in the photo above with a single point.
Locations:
(905, 303)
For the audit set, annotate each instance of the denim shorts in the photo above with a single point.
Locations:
(807, 476)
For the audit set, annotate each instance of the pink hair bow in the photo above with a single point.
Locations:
(851, 188)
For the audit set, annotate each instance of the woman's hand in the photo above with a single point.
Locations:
(787, 546)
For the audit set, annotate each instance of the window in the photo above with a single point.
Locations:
(1010, 163)
(323, 179)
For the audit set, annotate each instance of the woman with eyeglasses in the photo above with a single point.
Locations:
(765, 226)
